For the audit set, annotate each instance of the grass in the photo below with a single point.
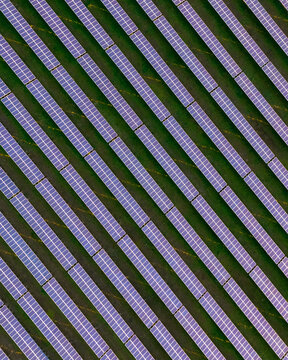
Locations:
(9, 347)
(278, 13)
(262, 214)
(25, 321)
(158, 174)
(259, 34)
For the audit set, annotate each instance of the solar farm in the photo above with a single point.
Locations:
(143, 179)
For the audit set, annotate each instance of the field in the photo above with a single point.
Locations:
(134, 187)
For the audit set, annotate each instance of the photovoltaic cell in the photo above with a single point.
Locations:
(47, 327)
(168, 342)
(150, 274)
(49, 193)
(194, 153)
(267, 21)
(23, 251)
(59, 117)
(242, 124)
(90, 22)
(93, 202)
(229, 329)
(210, 39)
(20, 336)
(198, 335)
(252, 225)
(200, 248)
(250, 45)
(28, 34)
(224, 234)
(258, 320)
(3, 355)
(42, 229)
(15, 63)
(138, 351)
(7, 186)
(76, 317)
(101, 303)
(20, 158)
(64, 211)
(10, 281)
(54, 22)
(125, 288)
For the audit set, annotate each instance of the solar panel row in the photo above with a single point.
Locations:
(80, 280)
(207, 81)
(76, 317)
(19, 335)
(39, 185)
(90, 199)
(162, 288)
(132, 207)
(47, 327)
(267, 21)
(23, 251)
(234, 70)
(194, 109)
(179, 226)
(258, 320)
(178, 89)
(284, 3)
(71, 272)
(251, 46)
(3, 355)
(215, 179)
(126, 289)
(36, 313)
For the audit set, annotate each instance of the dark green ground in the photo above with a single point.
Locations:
(197, 135)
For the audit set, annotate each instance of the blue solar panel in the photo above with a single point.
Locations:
(82, 19)
(20, 336)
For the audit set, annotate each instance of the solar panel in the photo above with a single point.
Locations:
(236, 334)
(47, 327)
(11, 282)
(76, 317)
(167, 341)
(23, 251)
(194, 109)
(3, 355)
(35, 131)
(101, 303)
(258, 320)
(90, 22)
(29, 35)
(71, 220)
(126, 289)
(229, 152)
(233, 69)
(250, 45)
(210, 39)
(267, 111)
(19, 335)
(229, 329)
(135, 349)
(35, 312)
(43, 230)
(19, 156)
(197, 334)
(252, 225)
(242, 124)
(16, 64)
(267, 21)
